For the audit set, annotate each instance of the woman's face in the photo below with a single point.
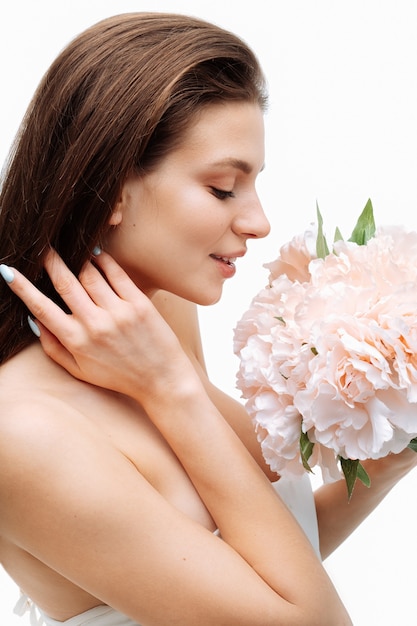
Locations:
(182, 226)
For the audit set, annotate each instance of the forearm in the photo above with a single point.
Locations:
(245, 507)
(149, 366)
(338, 517)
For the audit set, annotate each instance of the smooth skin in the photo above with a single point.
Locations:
(174, 225)
(69, 462)
(118, 458)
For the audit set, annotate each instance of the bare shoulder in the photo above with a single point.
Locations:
(46, 443)
(92, 506)
(42, 439)
(34, 416)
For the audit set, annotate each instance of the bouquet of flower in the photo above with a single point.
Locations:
(328, 351)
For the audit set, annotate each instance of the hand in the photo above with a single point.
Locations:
(392, 467)
(114, 338)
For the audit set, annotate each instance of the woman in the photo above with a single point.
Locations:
(120, 463)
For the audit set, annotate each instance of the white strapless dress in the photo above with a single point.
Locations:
(298, 495)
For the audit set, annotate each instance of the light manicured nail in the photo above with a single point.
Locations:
(7, 273)
(34, 327)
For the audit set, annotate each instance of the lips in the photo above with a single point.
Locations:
(229, 260)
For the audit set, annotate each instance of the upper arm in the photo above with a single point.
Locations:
(81, 507)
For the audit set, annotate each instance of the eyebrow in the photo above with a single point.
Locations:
(236, 163)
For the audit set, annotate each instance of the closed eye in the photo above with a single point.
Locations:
(222, 194)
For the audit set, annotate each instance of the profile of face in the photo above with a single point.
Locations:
(182, 226)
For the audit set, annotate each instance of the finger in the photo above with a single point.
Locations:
(56, 350)
(40, 306)
(118, 279)
(92, 285)
(69, 288)
(97, 287)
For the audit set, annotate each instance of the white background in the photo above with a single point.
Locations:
(341, 128)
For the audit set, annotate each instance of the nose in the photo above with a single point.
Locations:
(251, 221)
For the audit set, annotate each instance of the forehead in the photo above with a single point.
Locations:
(227, 133)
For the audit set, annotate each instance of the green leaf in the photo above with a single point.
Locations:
(413, 444)
(365, 226)
(306, 449)
(322, 249)
(337, 235)
(280, 319)
(363, 475)
(352, 470)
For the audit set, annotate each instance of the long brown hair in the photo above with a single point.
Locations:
(117, 98)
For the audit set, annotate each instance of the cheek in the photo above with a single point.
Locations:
(204, 226)
(198, 214)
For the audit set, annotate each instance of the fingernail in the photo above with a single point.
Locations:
(96, 250)
(34, 327)
(7, 273)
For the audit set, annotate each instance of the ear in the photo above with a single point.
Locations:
(117, 215)
(124, 201)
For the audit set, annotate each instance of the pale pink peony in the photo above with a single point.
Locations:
(329, 347)
(295, 257)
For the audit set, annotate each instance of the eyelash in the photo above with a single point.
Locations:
(222, 194)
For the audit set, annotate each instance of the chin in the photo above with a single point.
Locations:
(199, 296)
(204, 299)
